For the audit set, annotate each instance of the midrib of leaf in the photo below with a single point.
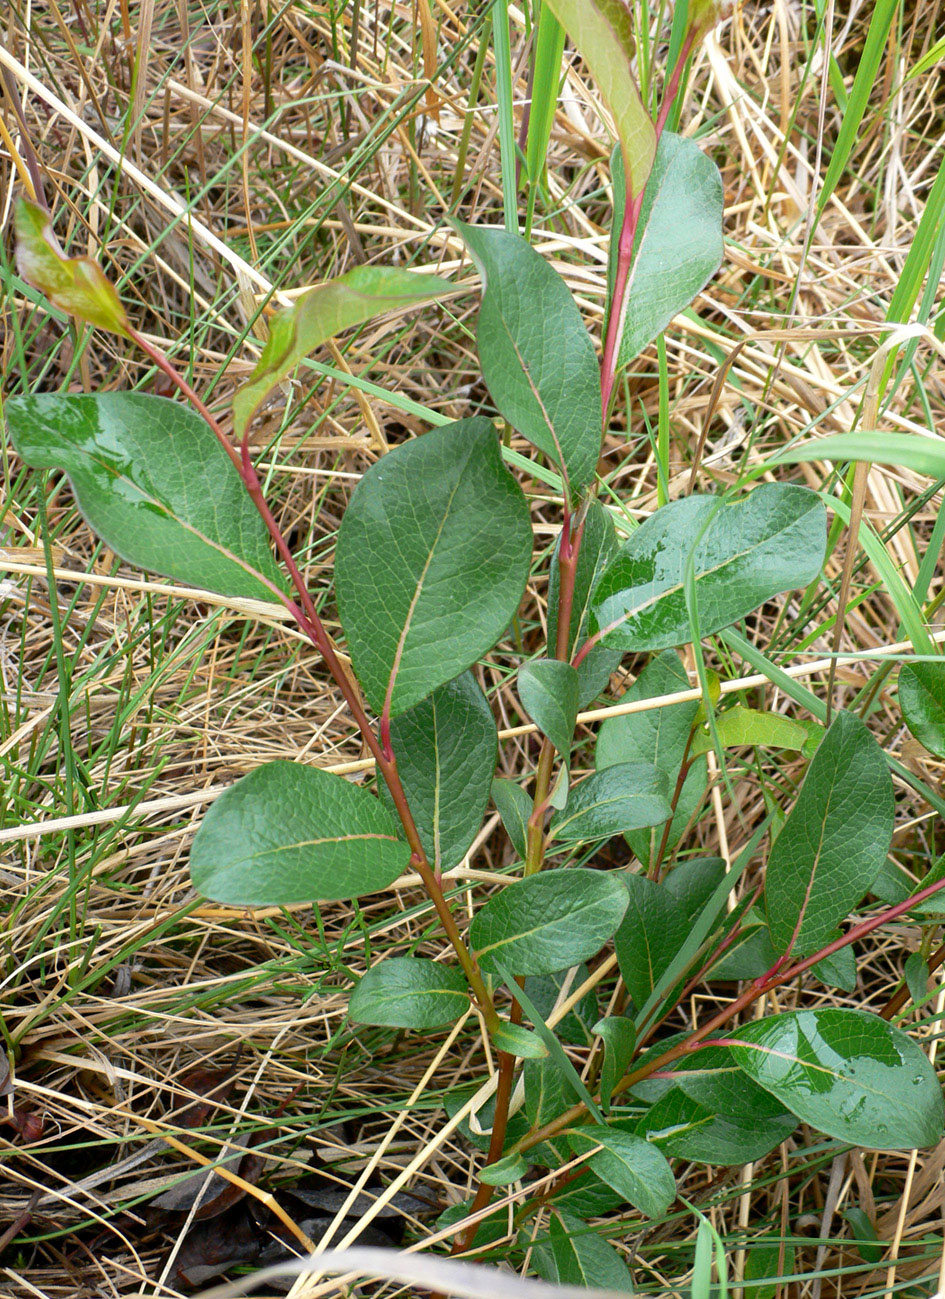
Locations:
(536, 929)
(566, 484)
(815, 867)
(703, 574)
(317, 843)
(167, 513)
(415, 599)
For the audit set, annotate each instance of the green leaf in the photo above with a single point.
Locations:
(871, 1248)
(922, 700)
(510, 1169)
(515, 1039)
(678, 246)
(619, 1036)
(446, 750)
(580, 1257)
(741, 727)
(693, 882)
(76, 285)
(713, 1077)
(153, 482)
(838, 970)
(620, 798)
(750, 956)
(545, 990)
(602, 30)
(548, 690)
(847, 1073)
(659, 736)
(743, 553)
(684, 1129)
(545, 922)
(537, 358)
(547, 1093)
(598, 546)
(652, 932)
(359, 295)
(834, 841)
(432, 559)
(631, 1165)
(409, 992)
(514, 807)
(290, 833)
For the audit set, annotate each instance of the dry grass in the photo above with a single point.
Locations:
(301, 148)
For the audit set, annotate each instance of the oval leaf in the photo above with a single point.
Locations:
(548, 690)
(578, 1256)
(847, 1073)
(619, 1036)
(514, 807)
(289, 833)
(153, 482)
(360, 294)
(620, 798)
(432, 559)
(516, 1039)
(409, 992)
(743, 553)
(446, 750)
(834, 841)
(545, 922)
(678, 246)
(922, 700)
(631, 1165)
(537, 358)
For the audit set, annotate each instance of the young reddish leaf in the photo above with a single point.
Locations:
(359, 295)
(76, 285)
(602, 30)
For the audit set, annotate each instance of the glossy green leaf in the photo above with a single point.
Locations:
(290, 833)
(620, 798)
(446, 750)
(359, 295)
(871, 1248)
(548, 690)
(545, 922)
(598, 546)
(431, 562)
(922, 700)
(652, 932)
(684, 1129)
(659, 736)
(514, 807)
(743, 553)
(515, 1039)
(602, 30)
(619, 1036)
(834, 841)
(153, 482)
(678, 247)
(581, 1257)
(847, 1073)
(537, 358)
(741, 727)
(409, 992)
(713, 1077)
(750, 956)
(504, 1171)
(838, 970)
(631, 1165)
(76, 285)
